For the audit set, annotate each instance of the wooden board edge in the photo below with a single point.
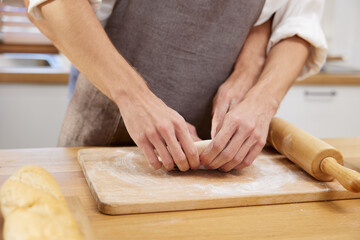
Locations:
(123, 209)
(80, 154)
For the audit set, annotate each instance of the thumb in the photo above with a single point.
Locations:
(218, 117)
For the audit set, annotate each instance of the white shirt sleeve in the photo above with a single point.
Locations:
(34, 11)
(301, 18)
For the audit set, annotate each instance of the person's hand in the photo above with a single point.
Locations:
(154, 126)
(241, 135)
(229, 94)
(238, 126)
(228, 98)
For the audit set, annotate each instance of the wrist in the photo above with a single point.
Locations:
(247, 76)
(127, 86)
(268, 100)
(250, 66)
(133, 94)
(244, 78)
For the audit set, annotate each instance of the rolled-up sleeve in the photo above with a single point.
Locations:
(33, 8)
(301, 18)
(35, 12)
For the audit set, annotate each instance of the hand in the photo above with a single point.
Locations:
(247, 70)
(241, 137)
(229, 94)
(154, 126)
(232, 117)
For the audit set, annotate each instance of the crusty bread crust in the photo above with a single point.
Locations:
(34, 207)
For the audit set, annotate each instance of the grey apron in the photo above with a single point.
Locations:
(183, 49)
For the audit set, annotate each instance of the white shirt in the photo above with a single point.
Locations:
(291, 17)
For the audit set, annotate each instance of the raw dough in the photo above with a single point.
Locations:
(200, 145)
(34, 208)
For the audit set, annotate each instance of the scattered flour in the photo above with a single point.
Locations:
(129, 169)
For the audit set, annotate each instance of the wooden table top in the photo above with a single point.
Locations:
(313, 220)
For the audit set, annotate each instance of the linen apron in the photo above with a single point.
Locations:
(183, 49)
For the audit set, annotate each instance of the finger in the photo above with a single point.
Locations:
(189, 148)
(240, 155)
(218, 144)
(162, 150)
(148, 150)
(250, 157)
(193, 133)
(220, 111)
(175, 150)
(236, 143)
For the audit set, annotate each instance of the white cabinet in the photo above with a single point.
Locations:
(31, 115)
(323, 111)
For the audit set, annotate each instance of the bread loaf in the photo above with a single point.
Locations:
(34, 208)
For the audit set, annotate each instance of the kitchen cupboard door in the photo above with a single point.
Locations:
(31, 115)
(323, 111)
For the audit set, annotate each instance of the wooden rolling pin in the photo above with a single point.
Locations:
(319, 159)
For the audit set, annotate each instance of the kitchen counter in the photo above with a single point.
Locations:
(63, 77)
(313, 220)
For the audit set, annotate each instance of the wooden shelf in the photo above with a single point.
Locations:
(331, 79)
(43, 78)
(17, 48)
(319, 79)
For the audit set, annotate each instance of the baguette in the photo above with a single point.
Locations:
(34, 208)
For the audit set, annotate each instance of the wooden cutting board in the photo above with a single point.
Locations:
(122, 182)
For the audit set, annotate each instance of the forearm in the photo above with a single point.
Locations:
(283, 64)
(74, 28)
(251, 59)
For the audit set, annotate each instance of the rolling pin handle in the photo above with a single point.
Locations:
(348, 178)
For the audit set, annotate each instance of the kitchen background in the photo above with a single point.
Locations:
(34, 95)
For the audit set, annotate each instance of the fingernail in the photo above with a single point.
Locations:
(156, 167)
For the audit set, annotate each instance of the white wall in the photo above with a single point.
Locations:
(341, 24)
(31, 115)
